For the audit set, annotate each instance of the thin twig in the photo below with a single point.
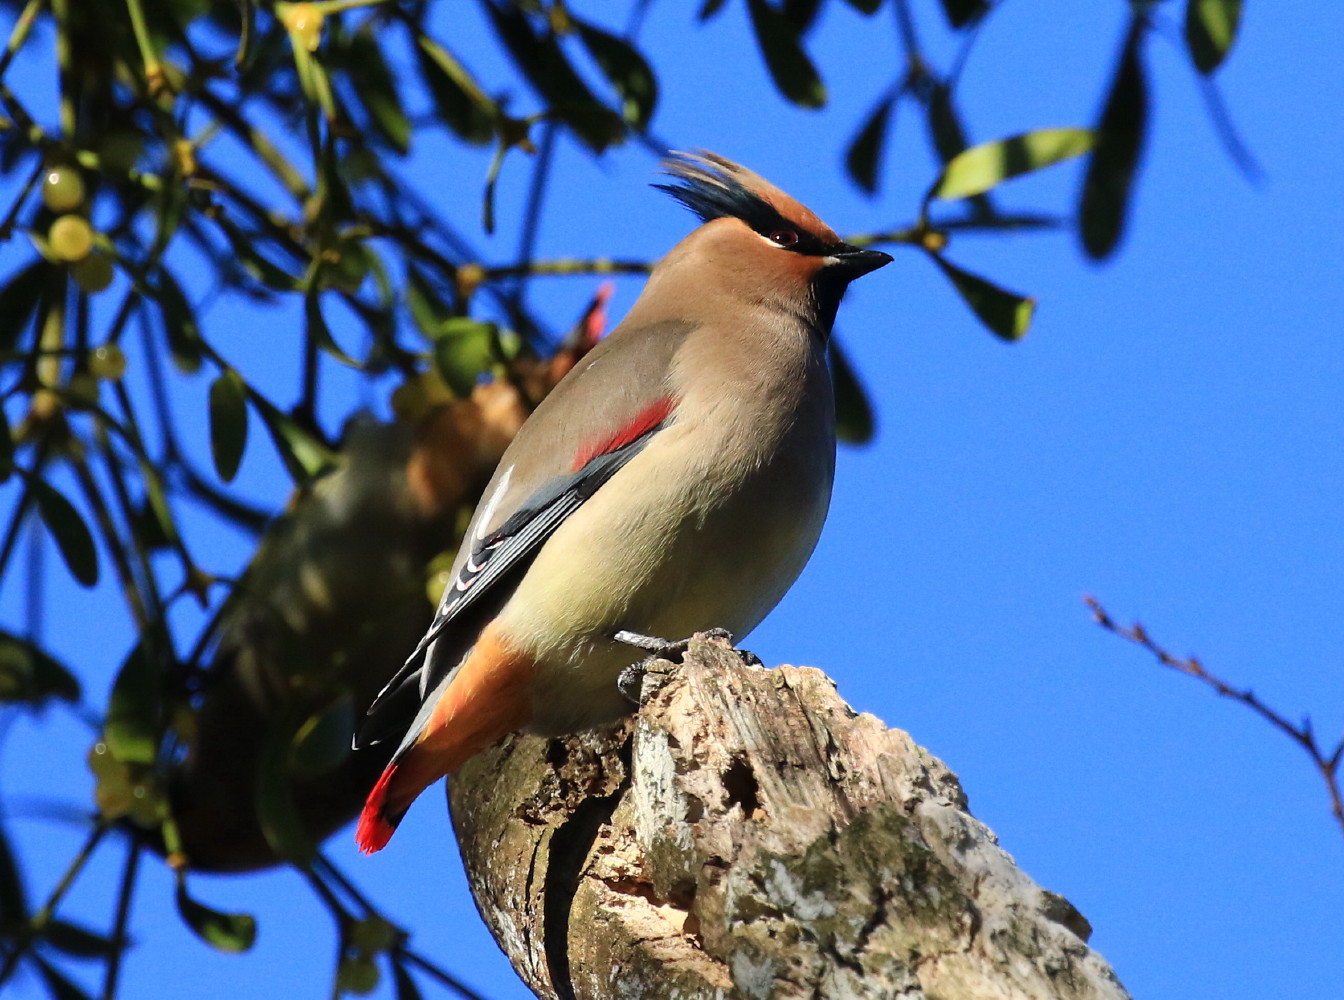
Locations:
(536, 196)
(36, 583)
(1327, 763)
(7, 224)
(568, 266)
(434, 972)
(19, 34)
(324, 867)
(33, 928)
(132, 586)
(124, 896)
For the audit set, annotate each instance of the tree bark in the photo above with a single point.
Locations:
(747, 834)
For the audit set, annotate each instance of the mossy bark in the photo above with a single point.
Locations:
(747, 834)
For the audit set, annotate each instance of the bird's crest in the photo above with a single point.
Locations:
(714, 187)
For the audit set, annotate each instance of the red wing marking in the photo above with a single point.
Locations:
(645, 420)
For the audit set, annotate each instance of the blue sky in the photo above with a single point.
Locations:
(1169, 437)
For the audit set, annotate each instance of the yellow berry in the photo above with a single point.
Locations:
(107, 362)
(112, 792)
(148, 809)
(101, 762)
(304, 22)
(357, 975)
(62, 189)
(70, 238)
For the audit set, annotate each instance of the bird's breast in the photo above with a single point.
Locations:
(706, 527)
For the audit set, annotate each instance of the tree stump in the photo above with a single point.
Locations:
(747, 834)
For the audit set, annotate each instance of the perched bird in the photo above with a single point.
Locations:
(675, 480)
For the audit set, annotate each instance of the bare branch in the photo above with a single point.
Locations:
(1327, 762)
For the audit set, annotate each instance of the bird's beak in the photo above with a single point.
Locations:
(854, 262)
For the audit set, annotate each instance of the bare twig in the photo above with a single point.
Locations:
(38, 922)
(19, 34)
(1326, 760)
(119, 942)
(438, 974)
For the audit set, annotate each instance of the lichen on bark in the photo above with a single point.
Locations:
(747, 834)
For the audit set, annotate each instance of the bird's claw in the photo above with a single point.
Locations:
(667, 647)
(630, 682)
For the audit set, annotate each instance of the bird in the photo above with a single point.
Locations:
(676, 480)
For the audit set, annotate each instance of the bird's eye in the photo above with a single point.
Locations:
(784, 237)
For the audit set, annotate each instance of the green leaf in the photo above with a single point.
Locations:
(179, 323)
(352, 264)
(459, 100)
(790, 68)
(135, 708)
(19, 299)
(148, 528)
(261, 269)
(321, 333)
(625, 68)
(463, 349)
(861, 160)
(1115, 157)
(427, 310)
(156, 504)
(1005, 313)
(949, 138)
(543, 64)
(488, 195)
(6, 447)
(1210, 29)
(960, 13)
(77, 941)
(313, 79)
(228, 423)
(854, 421)
(58, 986)
(376, 88)
(30, 675)
(982, 167)
(322, 742)
(67, 528)
(276, 811)
(229, 932)
(305, 457)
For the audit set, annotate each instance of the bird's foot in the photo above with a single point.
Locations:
(630, 682)
(668, 647)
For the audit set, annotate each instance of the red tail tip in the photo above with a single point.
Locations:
(375, 829)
